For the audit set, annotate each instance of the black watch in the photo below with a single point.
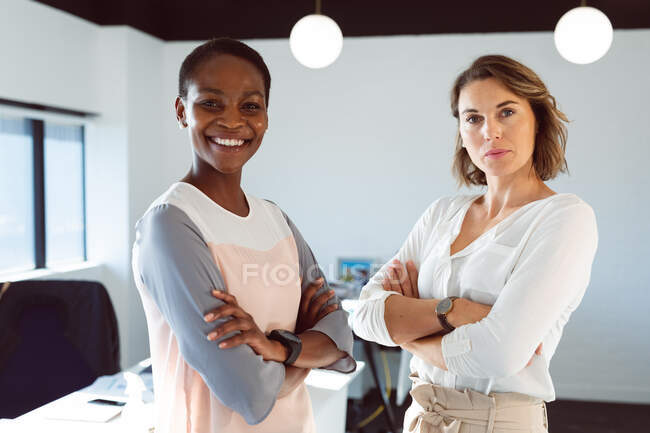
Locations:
(442, 309)
(289, 340)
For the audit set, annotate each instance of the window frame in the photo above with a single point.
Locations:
(38, 117)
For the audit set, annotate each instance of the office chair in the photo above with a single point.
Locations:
(56, 337)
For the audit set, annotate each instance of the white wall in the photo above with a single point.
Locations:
(46, 56)
(354, 154)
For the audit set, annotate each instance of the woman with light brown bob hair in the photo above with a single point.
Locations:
(490, 279)
(551, 133)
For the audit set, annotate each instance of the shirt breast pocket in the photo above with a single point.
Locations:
(486, 271)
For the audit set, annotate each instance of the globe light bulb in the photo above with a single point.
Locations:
(583, 35)
(316, 41)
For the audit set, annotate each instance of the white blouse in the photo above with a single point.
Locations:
(533, 268)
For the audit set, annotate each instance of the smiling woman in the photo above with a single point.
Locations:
(490, 279)
(237, 307)
(224, 107)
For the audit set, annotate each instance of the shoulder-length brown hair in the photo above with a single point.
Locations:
(551, 136)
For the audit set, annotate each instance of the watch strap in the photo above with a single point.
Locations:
(294, 348)
(294, 353)
(442, 317)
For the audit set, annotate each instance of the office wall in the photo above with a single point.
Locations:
(114, 72)
(357, 151)
(46, 56)
(354, 154)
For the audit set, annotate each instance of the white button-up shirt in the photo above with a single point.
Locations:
(533, 268)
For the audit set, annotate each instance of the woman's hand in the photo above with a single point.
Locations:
(311, 306)
(404, 282)
(243, 322)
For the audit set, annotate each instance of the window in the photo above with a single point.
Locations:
(42, 210)
(64, 194)
(17, 192)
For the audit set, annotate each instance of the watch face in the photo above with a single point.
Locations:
(443, 306)
(289, 336)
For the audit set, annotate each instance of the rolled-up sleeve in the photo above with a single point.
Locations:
(177, 269)
(547, 283)
(368, 317)
(335, 324)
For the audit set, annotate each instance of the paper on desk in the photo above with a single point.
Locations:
(80, 411)
(52, 426)
(114, 387)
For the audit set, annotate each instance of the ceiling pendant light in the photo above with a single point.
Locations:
(583, 35)
(316, 40)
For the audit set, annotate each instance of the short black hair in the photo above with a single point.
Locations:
(215, 47)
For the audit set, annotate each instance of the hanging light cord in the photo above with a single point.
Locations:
(318, 7)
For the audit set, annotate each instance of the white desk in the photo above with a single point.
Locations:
(38, 420)
(328, 391)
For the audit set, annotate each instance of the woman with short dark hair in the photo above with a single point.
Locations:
(237, 308)
(490, 279)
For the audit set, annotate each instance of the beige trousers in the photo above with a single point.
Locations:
(436, 409)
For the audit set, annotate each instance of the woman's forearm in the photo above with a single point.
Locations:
(428, 349)
(318, 350)
(408, 319)
(293, 376)
(466, 312)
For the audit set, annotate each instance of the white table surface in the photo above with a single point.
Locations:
(327, 390)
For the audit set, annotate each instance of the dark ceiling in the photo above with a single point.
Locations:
(175, 20)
